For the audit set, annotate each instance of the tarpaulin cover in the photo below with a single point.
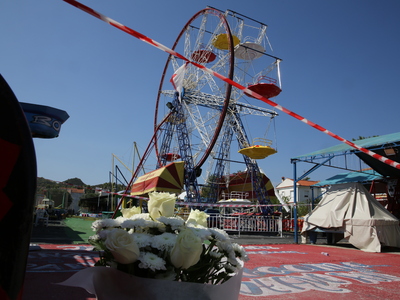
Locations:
(351, 208)
(166, 179)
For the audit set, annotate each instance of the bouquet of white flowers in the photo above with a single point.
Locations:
(161, 245)
(158, 255)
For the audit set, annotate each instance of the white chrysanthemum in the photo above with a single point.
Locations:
(96, 242)
(94, 238)
(118, 221)
(164, 241)
(228, 249)
(108, 223)
(233, 260)
(157, 225)
(176, 223)
(201, 232)
(225, 247)
(142, 239)
(142, 225)
(144, 216)
(219, 234)
(215, 254)
(240, 252)
(99, 225)
(131, 224)
(229, 268)
(151, 261)
(103, 234)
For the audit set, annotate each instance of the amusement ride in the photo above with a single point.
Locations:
(204, 125)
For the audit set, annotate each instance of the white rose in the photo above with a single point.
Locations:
(187, 249)
(122, 246)
(129, 212)
(161, 204)
(197, 217)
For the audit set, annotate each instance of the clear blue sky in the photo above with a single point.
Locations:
(340, 69)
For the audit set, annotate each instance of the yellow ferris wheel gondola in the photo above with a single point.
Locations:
(260, 150)
(221, 41)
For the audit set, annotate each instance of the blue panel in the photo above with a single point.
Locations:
(44, 121)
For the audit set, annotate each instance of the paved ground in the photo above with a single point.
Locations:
(278, 268)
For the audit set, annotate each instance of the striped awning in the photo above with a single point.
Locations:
(165, 179)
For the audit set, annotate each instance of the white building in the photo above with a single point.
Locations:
(304, 190)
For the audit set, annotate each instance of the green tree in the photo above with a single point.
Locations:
(111, 186)
(363, 137)
(60, 197)
(43, 184)
(89, 195)
(75, 182)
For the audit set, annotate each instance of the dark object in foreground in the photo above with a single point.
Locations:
(17, 191)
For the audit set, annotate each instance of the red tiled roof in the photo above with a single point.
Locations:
(306, 182)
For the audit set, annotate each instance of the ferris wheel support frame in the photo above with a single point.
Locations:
(223, 154)
(236, 126)
(190, 170)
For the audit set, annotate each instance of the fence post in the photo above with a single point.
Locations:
(280, 228)
(239, 225)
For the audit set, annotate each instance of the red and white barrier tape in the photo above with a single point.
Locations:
(247, 91)
(182, 203)
(197, 204)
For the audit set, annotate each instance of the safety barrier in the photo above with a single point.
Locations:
(245, 223)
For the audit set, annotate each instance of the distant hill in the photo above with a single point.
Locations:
(48, 183)
(57, 190)
(75, 181)
(45, 184)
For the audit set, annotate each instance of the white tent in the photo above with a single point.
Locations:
(351, 209)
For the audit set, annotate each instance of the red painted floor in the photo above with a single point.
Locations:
(286, 271)
(319, 272)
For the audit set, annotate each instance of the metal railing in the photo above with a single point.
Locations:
(245, 223)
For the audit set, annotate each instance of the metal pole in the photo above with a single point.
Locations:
(296, 240)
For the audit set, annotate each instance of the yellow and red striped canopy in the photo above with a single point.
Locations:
(165, 179)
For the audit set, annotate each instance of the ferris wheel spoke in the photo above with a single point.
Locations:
(198, 123)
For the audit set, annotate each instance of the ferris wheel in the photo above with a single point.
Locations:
(198, 117)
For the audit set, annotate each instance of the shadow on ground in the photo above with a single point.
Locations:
(62, 232)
